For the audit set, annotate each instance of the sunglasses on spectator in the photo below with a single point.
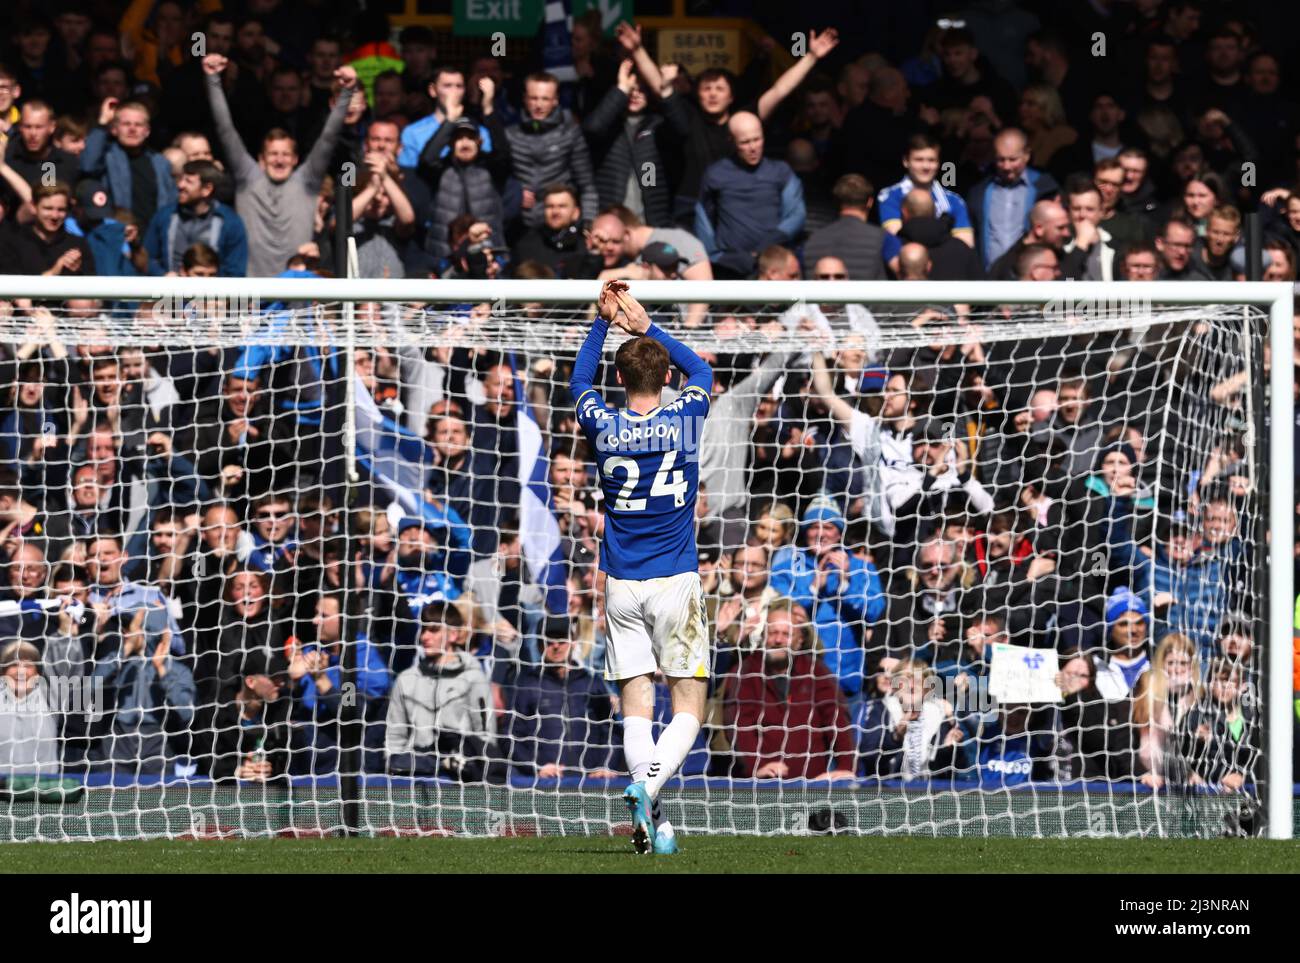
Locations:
(270, 515)
(832, 277)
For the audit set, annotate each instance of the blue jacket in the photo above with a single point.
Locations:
(104, 159)
(419, 133)
(373, 680)
(1200, 594)
(223, 232)
(566, 721)
(841, 612)
(142, 698)
(107, 241)
(1041, 184)
(744, 209)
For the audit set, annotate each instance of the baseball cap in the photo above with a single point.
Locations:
(934, 429)
(663, 256)
(92, 198)
(464, 127)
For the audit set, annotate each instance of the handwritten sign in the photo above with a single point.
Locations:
(1020, 674)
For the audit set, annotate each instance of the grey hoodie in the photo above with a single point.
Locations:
(426, 699)
(28, 733)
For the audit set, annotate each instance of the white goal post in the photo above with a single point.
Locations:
(1275, 300)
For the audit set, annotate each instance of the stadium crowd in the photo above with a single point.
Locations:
(872, 521)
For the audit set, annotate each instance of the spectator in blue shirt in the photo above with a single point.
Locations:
(999, 205)
(316, 681)
(747, 202)
(197, 217)
(271, 545)
(841, 590)
(922, 165)
(448, 93)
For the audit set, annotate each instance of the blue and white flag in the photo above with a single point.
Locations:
(539, 530)
(557, 41)
(399, 460)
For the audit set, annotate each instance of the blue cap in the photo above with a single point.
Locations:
(1123, 600)
(823, 509)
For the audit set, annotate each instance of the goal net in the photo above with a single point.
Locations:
(283, 565)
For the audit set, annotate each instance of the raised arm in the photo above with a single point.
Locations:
(825, 391)
(629, 38)
(242, 165)
(588, 361)
(819, 45)
(316, 166)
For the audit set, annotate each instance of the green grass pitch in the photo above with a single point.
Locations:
(716, 854)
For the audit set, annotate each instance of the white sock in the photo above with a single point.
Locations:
(670, 751)
(638, 750)
(638, 746)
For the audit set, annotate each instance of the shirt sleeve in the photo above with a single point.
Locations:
(960, 214)
(698, 372)
(890, 209)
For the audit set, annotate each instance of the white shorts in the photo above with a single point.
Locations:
(656, 623)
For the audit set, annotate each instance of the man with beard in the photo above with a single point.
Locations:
(558, 240)
(789, 716)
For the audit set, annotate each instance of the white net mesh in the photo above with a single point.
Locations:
(966, 571)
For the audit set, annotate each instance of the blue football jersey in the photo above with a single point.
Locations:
(649, 475)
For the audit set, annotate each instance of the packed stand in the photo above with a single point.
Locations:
(872, 521)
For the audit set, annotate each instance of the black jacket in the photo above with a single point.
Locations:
(617, 155)
(951, 259)
(464, 188)
(233, 742)
(25, 252)
(551, 151)
(564, 251)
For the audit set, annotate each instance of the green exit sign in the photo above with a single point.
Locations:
(482, 18)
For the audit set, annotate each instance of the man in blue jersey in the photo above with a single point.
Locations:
(647, 455)
(921, 161)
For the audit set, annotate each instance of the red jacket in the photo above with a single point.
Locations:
(806, 725)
